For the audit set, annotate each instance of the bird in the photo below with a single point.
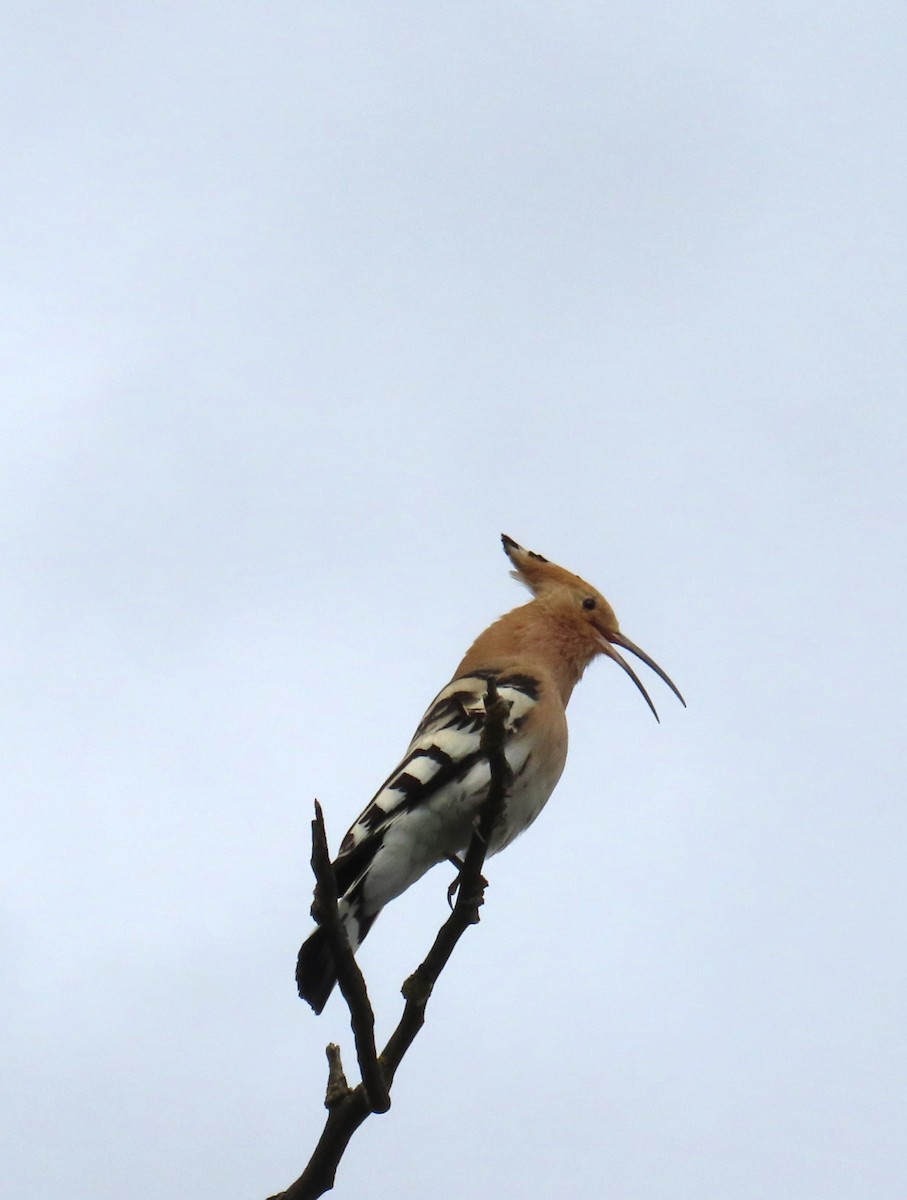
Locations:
(425, 811)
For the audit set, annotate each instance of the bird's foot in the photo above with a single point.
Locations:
(481, 883)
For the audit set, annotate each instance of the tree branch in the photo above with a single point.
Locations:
(349, 977)
(349, 1108)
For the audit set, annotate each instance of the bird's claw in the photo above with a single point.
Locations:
(481, 884)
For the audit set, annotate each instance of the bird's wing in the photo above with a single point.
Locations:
(445, 748)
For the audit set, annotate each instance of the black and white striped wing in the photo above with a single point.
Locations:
(446, 747)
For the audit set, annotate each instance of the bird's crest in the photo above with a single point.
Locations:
(534, 570)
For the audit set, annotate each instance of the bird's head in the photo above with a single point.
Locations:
(582, 610)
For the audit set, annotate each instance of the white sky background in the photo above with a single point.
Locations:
(304, 305)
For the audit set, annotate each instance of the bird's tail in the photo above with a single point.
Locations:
(315, 970)
(316, 973)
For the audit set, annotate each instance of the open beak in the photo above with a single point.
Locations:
(607, 645)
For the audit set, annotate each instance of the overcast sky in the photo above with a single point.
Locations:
(303, 305)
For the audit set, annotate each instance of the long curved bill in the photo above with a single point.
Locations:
(620, 639)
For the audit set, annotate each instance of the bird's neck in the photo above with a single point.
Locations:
(537, 640)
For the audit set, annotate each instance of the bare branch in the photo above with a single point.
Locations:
(471, 892)
(347, 1109)
(349, 977)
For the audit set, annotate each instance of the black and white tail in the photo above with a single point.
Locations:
(316, 974)
(315, 971)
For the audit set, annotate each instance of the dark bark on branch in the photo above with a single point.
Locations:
(349, 977)
(349, 1107)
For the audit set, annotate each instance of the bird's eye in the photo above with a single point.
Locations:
(589, 602)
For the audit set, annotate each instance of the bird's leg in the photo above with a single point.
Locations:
(452, 890)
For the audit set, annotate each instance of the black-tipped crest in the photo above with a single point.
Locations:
(512, 548)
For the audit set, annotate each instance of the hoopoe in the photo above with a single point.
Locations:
(425, 811)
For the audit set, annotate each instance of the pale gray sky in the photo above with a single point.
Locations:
(304, 305)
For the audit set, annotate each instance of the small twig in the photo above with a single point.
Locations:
(338, 1089)
(347, 1111)
(349, 977)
